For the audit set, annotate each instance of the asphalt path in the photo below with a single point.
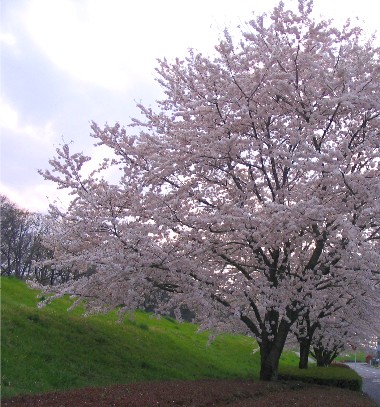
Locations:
(371, 379)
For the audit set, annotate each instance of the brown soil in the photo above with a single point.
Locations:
(231, 393)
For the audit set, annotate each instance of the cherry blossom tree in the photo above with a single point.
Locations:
(253, 184)
(345, 331)
(338, 320)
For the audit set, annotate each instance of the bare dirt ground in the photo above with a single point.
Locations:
(221, 393)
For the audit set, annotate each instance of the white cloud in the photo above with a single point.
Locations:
(35, 198)
(23, 147)
(9, 120)
(8, 116)
(8, 39)
(77, 39)
(98, 42)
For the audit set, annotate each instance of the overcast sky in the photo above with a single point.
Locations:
(67, 62)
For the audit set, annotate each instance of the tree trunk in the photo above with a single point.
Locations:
(270, 352)
(305, 344)
(324, 357)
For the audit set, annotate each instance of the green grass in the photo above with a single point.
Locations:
(350, 357)
(51, 349)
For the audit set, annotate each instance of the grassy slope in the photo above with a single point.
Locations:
(48, 349)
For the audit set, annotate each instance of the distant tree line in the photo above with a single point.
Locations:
(23, 254)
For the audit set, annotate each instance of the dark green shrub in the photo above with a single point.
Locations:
(335, 376)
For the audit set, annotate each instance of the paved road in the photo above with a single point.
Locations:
(371, 379)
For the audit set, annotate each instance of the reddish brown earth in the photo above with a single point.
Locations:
(231, 393)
